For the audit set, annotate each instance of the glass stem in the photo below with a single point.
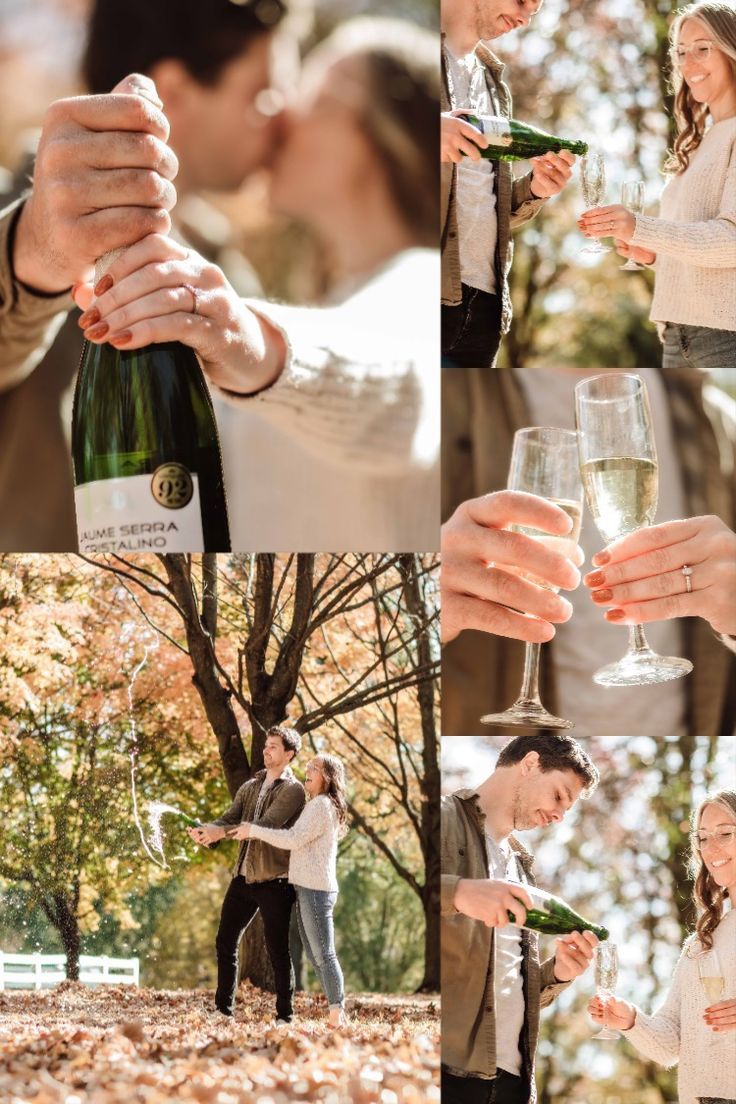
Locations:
(530, 682)
(637, 640)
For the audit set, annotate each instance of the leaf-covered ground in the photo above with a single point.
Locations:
(76, 1045)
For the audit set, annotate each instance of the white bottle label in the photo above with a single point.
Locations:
(496, 129)
(141, 513)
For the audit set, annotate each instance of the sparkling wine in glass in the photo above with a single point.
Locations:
(712, 982)
(618, 464)
(593, 182)
(606, 976)
(632, 197)
(544, 462)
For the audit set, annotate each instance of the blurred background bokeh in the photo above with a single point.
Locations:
(620, 859)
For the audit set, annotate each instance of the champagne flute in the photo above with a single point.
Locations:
(593, 182)
(632, 197)
(618, 464)
(712, 981)
(544, 462)
(606, 975)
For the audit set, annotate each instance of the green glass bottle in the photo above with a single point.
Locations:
(510, 140)
(191, 822)
(552, 916)
(147, 467)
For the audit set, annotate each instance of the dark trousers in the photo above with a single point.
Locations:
(242, 901)
(503, 1089)
(471, 331)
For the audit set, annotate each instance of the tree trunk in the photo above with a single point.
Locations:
(68, 928)
(421, 614)
(255, 965)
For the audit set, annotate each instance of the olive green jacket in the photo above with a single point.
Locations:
(481, 411)
(468, 997)
(283, 804)
(515, 203)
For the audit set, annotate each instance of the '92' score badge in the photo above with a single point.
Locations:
(172, 486)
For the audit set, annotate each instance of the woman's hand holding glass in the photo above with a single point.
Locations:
(614, 1013)
(634, 252)
(640, 577)
(721, 1017)
(614, 221)
(159, 291)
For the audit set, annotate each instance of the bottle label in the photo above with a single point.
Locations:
(141, 513)
(496, 129)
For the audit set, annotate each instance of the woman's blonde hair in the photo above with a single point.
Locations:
(690, 116)
(709, 896)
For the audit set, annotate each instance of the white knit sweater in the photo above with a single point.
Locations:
(342, 452)
(677, 1029)
(312, 842)
(695, 237)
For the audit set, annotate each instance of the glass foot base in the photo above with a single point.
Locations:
(642, 668)
(595, 249)
(526, 714)
(606, 1033)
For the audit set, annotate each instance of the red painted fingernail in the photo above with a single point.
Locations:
(595, 579)
(94, 333)
(602, 595)
(104, 284)
(601, 558)
(121, 338)
(89, 318)
(615, 615)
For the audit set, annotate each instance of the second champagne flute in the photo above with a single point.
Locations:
(632, 197)
(712, 982)
(618, 463)
(544, 462)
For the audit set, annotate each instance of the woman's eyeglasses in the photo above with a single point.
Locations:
(700, 51)
(723, 836)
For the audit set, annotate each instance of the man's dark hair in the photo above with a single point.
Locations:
(289, 737)
(557, 751)
(130, 36)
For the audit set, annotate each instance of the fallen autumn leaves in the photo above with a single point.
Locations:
(75, 1045)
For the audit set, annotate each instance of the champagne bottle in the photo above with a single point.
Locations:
(191, 822)
(551, 916)
(147, 468)
(510, 140)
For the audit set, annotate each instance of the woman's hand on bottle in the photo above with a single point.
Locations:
(159, 291)
(640, 578)
(491, 901)
(550, 173)
(721, 1017)
(634, 252)
(458, 138)
(481, 584)
(618, 1014)
(608, 222)
(574, 954)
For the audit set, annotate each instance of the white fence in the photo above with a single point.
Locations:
(37, 971)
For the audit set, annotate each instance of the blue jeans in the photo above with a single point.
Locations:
(698, 347)
(314, 915)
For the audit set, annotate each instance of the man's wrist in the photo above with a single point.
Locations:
(28, 266)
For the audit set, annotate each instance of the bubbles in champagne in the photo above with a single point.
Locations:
(621, 493)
